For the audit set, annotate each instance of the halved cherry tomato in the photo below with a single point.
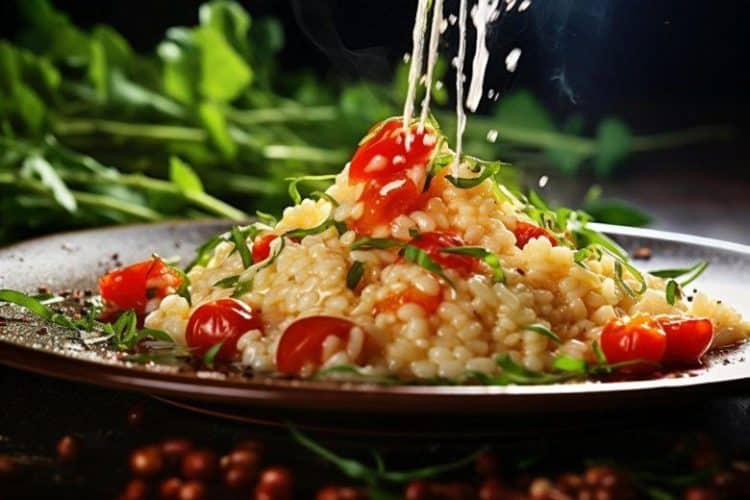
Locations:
(385, 153)
(640, 338)
(525, 232)
(384, 200)
(687, 339)
(433, 242)
(301, 343)
(262, 246)
(222, 320)
(429, 303)
(132, 287)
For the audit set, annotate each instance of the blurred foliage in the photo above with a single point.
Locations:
(93, 133)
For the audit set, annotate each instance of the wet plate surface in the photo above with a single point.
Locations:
(75, 260)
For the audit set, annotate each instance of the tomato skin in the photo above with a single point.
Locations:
(429, 303)
(222, 320)
(132, 287)
(384, 200)
(385, 153)
(525, 232)
(433, 242)
(687, 339)
(638, 338)
(302, 342)
(262, 247)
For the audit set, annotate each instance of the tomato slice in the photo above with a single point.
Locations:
(384, 200)
(222, 320)
(687, 339)
(384, 152)
(429, 303)
(525, 232)
(301, 343)
(262, 246)
(132, 287)
(433, 242)
(640, 338)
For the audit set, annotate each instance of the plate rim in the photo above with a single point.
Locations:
(272, 391)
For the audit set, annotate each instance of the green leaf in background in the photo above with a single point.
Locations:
(36, 165)
(229, 19)
(614, 142)
(215, 123)
(181, 69)
(224, 74)
(184, 176)
(615, 211)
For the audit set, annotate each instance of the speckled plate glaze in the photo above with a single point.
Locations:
(75, 260)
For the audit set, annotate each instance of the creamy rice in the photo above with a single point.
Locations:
(474, 322)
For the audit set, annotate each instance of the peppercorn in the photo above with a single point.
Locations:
(237, 477)
(136, 489)
(200, 464)
(275, 483)
(69, 449)
(192, 490)
(146, 462)
(174, 450)
(169, 489)
(334, 492)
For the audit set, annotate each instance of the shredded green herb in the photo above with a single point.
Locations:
(488, 169)
(489, 258)
(294, 181)
(240, 245)
(690, 273)
(673, 292)
(544, 331)
(368, 243)
(210, 356)
(421, 258)
(228, 282)
(354, 275)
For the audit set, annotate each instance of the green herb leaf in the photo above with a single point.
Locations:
(240, 244)
(489, 258)
(488, 169)
(325, 196)
(570, 364)
(51, 179)
(619, 265)
(210, 356)
(423, 259)
(266, 218)
(617, 212)
(355, 274)
(301, 233)
(543, 330)
(36, 307)
(228, 282)
(294, 181)
(368, 243)
(691, 273)
(183, 176)
(672, 291)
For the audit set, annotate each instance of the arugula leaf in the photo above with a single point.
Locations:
(488, 170)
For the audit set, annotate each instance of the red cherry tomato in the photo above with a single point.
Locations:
(429, 303)
(640, 338)
(433, 242)
(384, 153)
(222, 320)
(301, 343)
(262, 246)
(132, 287)
(687, 339)
(384, 200)
(525, 232)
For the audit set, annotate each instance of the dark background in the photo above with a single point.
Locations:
(659, 64)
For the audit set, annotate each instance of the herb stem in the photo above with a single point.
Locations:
(285, 114)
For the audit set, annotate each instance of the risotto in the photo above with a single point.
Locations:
(409, 267)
